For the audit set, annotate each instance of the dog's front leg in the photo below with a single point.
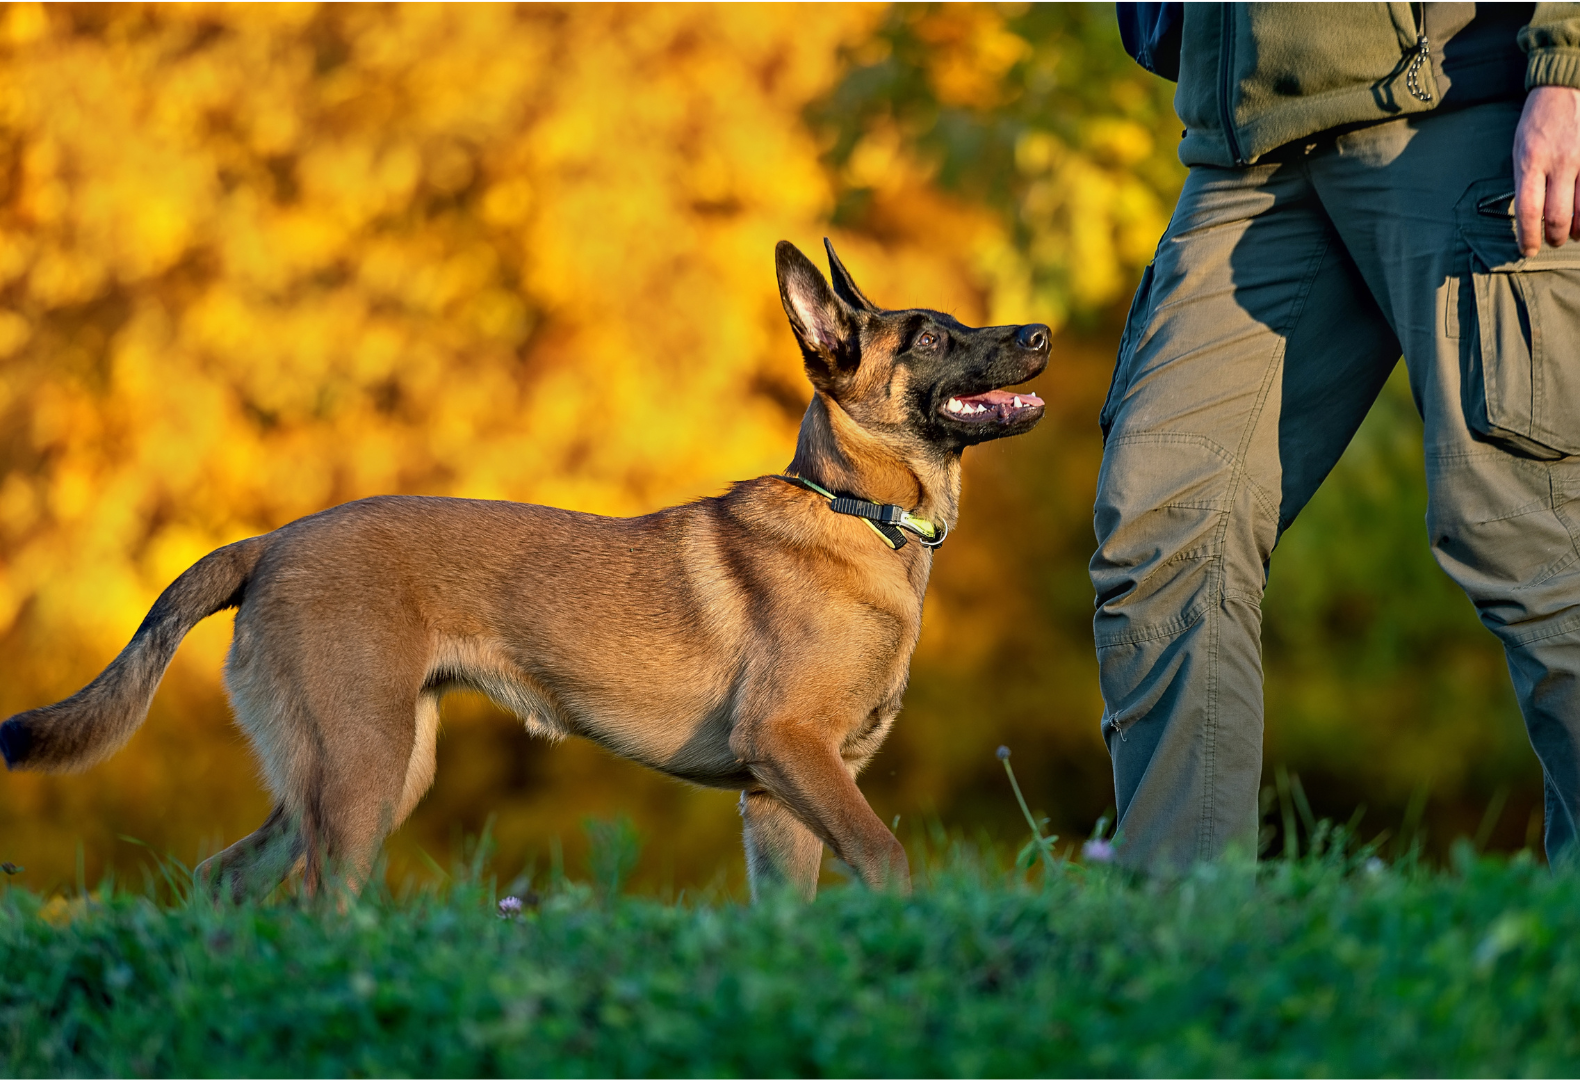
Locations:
(780, 850)
(804, 773)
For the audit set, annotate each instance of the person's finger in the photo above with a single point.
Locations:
(1574, 223)
(1558, 217)
(1529, 201)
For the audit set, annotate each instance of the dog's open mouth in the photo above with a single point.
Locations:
(995, 406)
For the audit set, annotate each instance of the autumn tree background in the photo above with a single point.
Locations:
(259, 260)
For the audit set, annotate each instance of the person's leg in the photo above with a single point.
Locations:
(1251, 355)
(1491, 342)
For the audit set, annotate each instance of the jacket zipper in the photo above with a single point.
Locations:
(1420, 56)
(1225, 74)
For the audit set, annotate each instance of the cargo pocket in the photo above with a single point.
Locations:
(1135, 326)
(1520, 338)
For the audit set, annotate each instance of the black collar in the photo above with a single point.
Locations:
(885, 519)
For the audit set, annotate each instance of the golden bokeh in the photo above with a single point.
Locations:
(257, 260)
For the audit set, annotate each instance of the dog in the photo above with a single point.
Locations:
(758, 640)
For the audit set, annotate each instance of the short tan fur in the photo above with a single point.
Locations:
(755, 640)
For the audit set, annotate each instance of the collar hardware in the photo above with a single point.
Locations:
(885, 519)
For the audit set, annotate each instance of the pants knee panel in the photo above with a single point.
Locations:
(1504, 528)
(1176, 532)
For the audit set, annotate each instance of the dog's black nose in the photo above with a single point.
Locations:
(1033, 336)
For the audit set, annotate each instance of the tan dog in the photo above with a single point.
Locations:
(758, 640)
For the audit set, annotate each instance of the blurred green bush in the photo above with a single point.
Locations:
(1325, 966)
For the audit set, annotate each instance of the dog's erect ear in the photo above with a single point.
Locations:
(824, 324)
(844, 284)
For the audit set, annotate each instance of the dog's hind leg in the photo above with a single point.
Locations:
(343, 725)
(376, 761)
(780, 851)
(346, 761)
(255, 864)
(424, 761)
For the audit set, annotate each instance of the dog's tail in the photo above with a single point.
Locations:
(97, 720)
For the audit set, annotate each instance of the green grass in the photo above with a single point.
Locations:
(1328, 965)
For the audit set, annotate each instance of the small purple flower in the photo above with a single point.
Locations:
(1097, 851)
(510, 907)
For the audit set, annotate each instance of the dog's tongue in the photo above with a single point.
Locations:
(999, 398)
(1002, 405)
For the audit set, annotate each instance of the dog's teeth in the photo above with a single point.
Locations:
(1017, 401)
(954, 405)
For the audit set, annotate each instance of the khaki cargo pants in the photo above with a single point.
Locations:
(1280, 300)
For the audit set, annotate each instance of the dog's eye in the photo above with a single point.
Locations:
(927, 340)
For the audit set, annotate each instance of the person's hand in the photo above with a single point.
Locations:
(1547, 168)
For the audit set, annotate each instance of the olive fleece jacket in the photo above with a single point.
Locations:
(1254, 77)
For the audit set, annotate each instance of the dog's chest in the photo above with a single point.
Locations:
(862, 743)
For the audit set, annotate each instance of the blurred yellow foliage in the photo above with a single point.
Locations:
(263, 259)
(971, 51)
(256, 260)
(1033, 117)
